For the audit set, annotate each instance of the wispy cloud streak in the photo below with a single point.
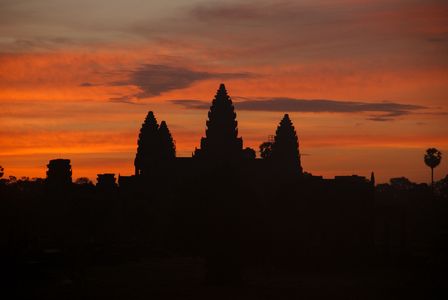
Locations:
(381, 111)
(153, 79)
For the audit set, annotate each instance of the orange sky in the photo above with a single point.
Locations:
(77, 82)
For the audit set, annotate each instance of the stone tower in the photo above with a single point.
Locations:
(221, 139)
(148, 145)
(155, 146)
(59, 172)
(167, 146)
(285, 149)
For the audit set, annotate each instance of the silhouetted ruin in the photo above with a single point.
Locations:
(221, 141)
(106, 181)
(288, 204)
(168, 148)
(59, 172)
(222, 218)
(149, 148)
(285, 149)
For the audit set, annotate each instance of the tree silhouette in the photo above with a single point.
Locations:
(285, 149)
(402, 183)
(167, 147)
(249, 153)
(148, 145)
(83, 181)
(266, 150)
(432, 159)
(1, 172)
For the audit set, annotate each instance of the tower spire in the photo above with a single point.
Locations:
(285, 149)
(148, 144)
(168, 149)
(221, 135)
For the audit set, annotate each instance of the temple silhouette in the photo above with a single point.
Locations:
(221, 141)
(224, 219)
(224, 191)
(225, 203)
(220, 146)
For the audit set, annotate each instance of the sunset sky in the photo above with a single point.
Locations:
(365, 82)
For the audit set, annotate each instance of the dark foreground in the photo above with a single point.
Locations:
(184, 278)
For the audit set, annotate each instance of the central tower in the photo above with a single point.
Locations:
(221, 139)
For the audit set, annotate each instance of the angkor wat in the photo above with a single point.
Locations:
(221, 217)
(234, 201)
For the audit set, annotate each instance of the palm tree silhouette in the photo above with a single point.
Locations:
(432, 159)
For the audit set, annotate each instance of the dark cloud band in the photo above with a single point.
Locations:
(154, 80)
(382, 111)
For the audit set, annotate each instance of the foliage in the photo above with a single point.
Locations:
(402, 183)
(266, 150)
(83, 181)
(441, 188)
(432, 157)
(249, 153)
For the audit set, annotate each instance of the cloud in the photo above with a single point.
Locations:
(296, 31)
(247, 11)
(438, 38)
(125, 99)
(381, 111)
(384, 118)
(191, 104)
(86, 84)
(154, 80)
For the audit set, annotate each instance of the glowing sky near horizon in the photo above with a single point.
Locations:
(365, 82)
